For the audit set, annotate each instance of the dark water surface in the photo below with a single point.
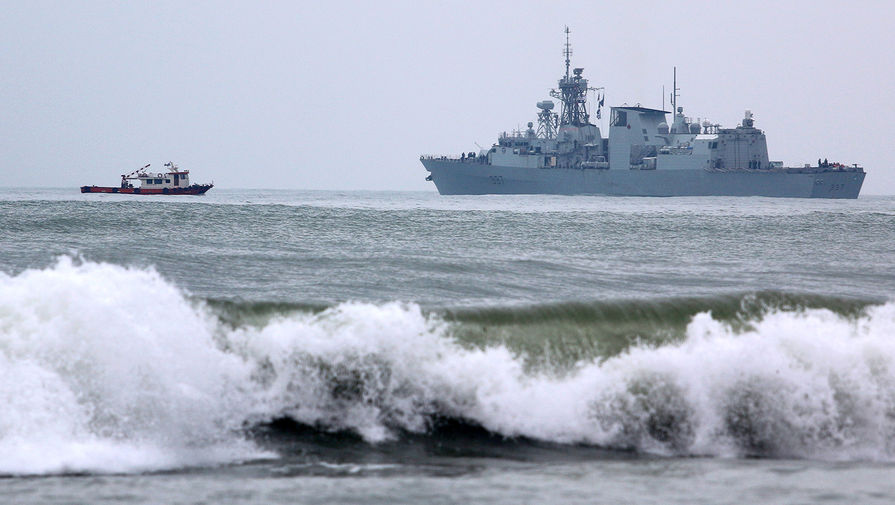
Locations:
(326, 347)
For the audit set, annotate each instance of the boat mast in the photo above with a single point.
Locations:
(137, 171)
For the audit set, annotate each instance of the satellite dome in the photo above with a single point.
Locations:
(694, 128)
(663, 128)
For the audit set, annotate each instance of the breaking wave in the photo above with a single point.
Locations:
(113, 369)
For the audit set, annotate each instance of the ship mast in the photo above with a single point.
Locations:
(679, 124)
(567, 50)
(675, 94)
(572, 92)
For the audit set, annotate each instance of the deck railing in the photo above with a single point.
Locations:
(456, 159)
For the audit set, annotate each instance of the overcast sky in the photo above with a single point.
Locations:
(347, 95)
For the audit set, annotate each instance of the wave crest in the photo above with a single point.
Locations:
(115, 369)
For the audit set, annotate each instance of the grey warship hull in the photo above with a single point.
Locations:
(455, 177)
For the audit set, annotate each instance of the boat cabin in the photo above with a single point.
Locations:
(174, 178)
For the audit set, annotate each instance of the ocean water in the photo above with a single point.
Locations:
(353, 347)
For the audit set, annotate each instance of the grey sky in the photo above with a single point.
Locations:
(325, 95)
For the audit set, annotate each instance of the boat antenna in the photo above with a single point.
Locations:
(567, 50)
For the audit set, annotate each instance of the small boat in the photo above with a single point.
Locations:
(173, 182)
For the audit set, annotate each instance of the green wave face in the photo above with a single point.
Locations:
(556, 337)
(561, 335)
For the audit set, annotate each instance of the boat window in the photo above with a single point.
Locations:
(167, 181)
(158, 181)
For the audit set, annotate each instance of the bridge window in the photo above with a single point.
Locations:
(619, 118)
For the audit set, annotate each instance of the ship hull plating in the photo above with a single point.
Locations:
(458, 178)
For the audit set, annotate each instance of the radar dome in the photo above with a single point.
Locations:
(694, 128)
(663, 128)
(545, 105)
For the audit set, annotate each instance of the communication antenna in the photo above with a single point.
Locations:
(567, 51)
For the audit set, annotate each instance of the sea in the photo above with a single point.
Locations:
(318, 347)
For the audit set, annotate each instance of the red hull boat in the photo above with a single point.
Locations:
(172, 182)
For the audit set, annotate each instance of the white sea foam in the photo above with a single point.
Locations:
(110, 369)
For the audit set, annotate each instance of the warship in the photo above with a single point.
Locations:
(643, 155)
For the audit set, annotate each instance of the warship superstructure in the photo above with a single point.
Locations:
(642, 156)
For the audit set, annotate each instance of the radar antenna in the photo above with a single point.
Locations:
(547, 120)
